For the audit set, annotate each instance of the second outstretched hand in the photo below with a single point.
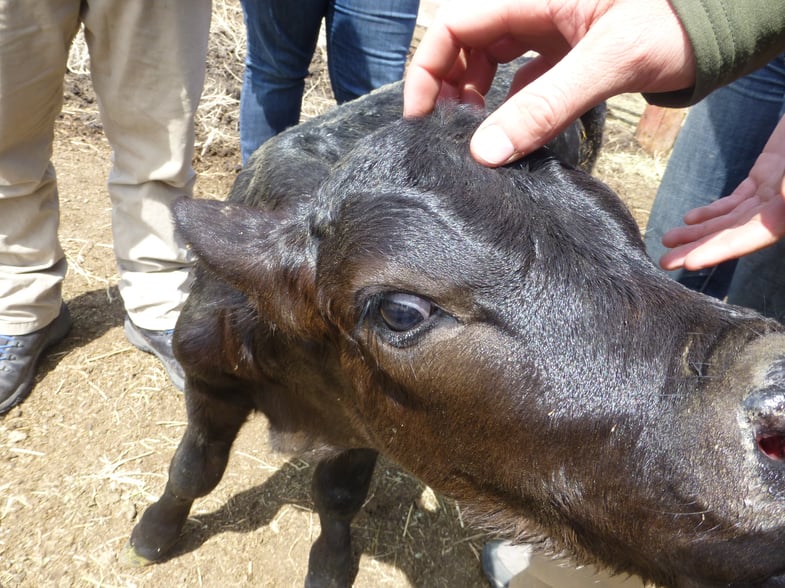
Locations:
(750, 218)
(588, 50)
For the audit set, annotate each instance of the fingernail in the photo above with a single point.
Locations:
(492, 145)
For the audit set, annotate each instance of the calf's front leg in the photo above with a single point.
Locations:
(339, 487)
(195, 470)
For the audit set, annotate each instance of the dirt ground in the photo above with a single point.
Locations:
(89, 449)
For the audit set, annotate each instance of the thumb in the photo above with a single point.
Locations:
(613, 57)
(540, 111)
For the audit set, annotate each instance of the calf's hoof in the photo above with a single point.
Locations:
(331, 567)
(156, 533)
(139, 552)
(130, 558)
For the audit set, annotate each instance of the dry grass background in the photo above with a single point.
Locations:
(88, 451)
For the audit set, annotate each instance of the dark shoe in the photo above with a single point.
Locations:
(159, 343)
(19, 357)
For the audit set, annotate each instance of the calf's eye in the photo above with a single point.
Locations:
(403, 312)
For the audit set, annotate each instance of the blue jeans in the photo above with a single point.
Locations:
(718, 144)
(367, 45)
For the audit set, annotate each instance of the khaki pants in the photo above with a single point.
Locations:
(147, 67)
(541, 571)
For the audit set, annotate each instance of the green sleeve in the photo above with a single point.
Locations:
(730, 38)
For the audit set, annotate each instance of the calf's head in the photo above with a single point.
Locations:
(501, 334)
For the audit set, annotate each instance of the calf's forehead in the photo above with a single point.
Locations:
(474, 228)
(419, 242)
(428, 160)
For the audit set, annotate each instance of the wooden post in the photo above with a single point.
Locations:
(658, 128)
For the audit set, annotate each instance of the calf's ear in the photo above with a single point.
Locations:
(265, 254)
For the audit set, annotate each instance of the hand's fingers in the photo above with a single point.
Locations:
(601, 63)
(548, 104)
(710, 219)
(722, 206)
(459, 28)
(759, 228)
(477, 77)
(690, 234)
(422, 89)
(609, 56)
(529, 72)
(425, 76)
(716, 248)
(696, 231)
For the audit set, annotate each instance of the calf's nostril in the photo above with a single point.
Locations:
(772, 445)
(765, 410)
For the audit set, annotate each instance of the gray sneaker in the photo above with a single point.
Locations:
(19, 357)
(159, 343)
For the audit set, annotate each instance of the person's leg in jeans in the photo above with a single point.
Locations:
(367, 44)
(281, 39)
(759, 282)
(719, 142)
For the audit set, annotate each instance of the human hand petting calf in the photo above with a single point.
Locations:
(587, 52)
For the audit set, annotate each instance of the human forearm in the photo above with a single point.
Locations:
(730, 38)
